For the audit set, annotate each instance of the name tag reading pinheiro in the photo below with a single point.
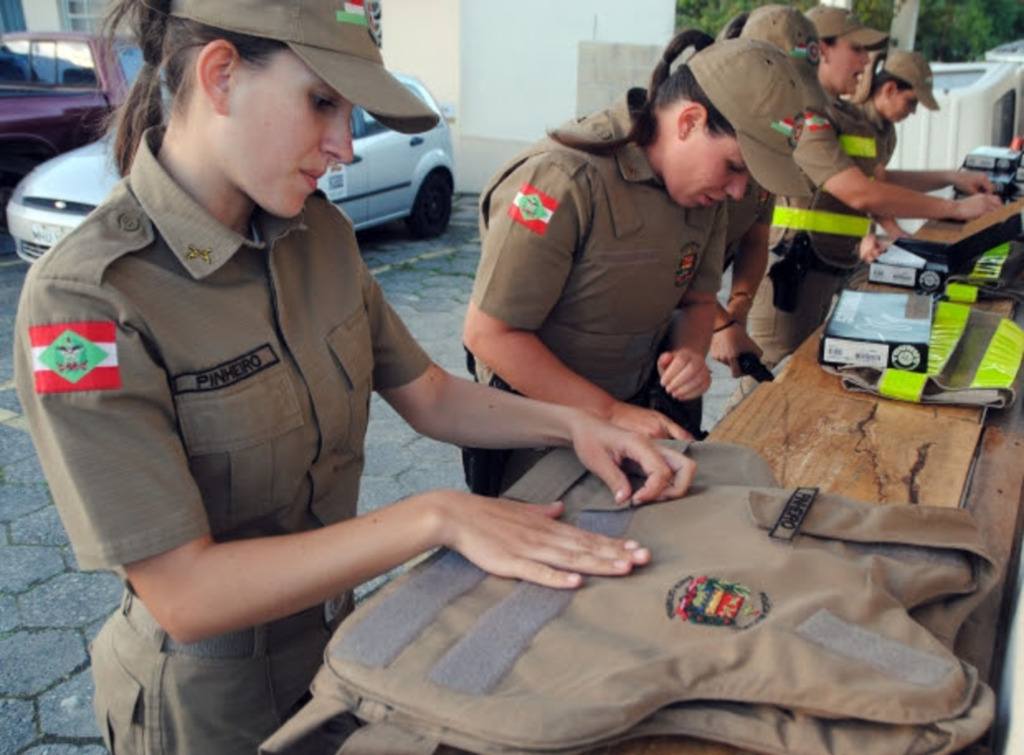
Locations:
(793, 514)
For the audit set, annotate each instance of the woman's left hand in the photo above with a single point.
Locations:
(604, 448)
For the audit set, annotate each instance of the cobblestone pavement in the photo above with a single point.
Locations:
(49, 610)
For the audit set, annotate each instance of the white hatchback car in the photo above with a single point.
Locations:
(392, 176)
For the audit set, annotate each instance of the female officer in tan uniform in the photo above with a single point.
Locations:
(195, 363)
(902, 80)
(818, 240)
(595, 236)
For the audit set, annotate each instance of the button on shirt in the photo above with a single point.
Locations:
(237, 398)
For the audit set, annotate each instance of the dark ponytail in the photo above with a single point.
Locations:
(665, 88)
(168, 44)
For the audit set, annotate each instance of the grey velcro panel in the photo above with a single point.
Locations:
(398, 617)
(481, 659)
(890, 657)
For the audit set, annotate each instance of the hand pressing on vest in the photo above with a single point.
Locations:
(870, 248)
(525, 541)
(684, 374)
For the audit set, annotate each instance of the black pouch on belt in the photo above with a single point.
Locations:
(483, 468)
(787, 273)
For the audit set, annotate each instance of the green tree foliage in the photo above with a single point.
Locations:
(947, 30)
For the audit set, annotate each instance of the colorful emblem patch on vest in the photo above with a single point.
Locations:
(712, 601)
(533, 208)
(75, 356)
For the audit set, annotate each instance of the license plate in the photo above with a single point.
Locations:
(44, 233)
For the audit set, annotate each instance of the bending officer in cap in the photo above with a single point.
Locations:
(195, 362)
(816, 243)
(597, 236)
(895, 85)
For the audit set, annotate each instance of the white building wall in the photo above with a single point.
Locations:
(41, 15)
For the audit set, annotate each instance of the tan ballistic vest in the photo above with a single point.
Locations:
(791, 621)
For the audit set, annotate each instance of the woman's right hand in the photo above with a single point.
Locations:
(526, 541)
(975, 206)
(647, 422)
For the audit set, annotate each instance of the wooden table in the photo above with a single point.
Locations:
(812, 432)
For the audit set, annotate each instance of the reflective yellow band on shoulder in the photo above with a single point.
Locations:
(999, 365)
(990, 265)
(818, 221)
(948, 324)
(858, 146)
(962, 292)
(903, 385)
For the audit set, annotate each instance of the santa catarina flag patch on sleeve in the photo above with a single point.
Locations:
(75, 356)
(533, 208)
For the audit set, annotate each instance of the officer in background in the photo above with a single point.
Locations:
(195, 362)
(816, 242)
(894, 86)
(596, 236)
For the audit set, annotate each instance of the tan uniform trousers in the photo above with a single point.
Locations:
(216, 697)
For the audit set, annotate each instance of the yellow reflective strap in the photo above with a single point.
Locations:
(948, 324)
(858, 146)
(902, 385)
(990, 265)
(819, 221)
(999, 365)
(962, 292)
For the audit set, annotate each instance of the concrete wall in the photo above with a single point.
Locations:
(518, 69)
(607, 70)
(41, 15)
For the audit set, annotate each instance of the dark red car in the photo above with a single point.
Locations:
(56, 89)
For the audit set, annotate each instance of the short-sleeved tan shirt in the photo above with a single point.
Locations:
(592, 254)
(180, 379)
(827, 147)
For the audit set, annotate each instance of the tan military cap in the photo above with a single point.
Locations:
(839, 22)
(912, 68)
(753, 84)
(339, 41)
(793, 33)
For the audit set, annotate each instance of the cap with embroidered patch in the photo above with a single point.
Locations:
(834, 22)
(340, 41)
(753, 84)
(792, 32)
(912, 68)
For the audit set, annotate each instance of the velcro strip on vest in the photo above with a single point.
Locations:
(1001, 361)
(819, 221)
(478, 662)
(399, 617)
(949, 321)
(887, 656)
(858, 146)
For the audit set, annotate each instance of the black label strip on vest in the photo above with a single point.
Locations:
(398, 617)
(792, 516)
(480, 660)
(892, 658)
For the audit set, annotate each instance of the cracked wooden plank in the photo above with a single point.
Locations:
(868, 450)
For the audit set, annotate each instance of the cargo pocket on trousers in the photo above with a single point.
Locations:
(119, 703)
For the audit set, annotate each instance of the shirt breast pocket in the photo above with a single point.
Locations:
(352, 347)
(233, 438)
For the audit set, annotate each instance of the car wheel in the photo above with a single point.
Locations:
(432, 208)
